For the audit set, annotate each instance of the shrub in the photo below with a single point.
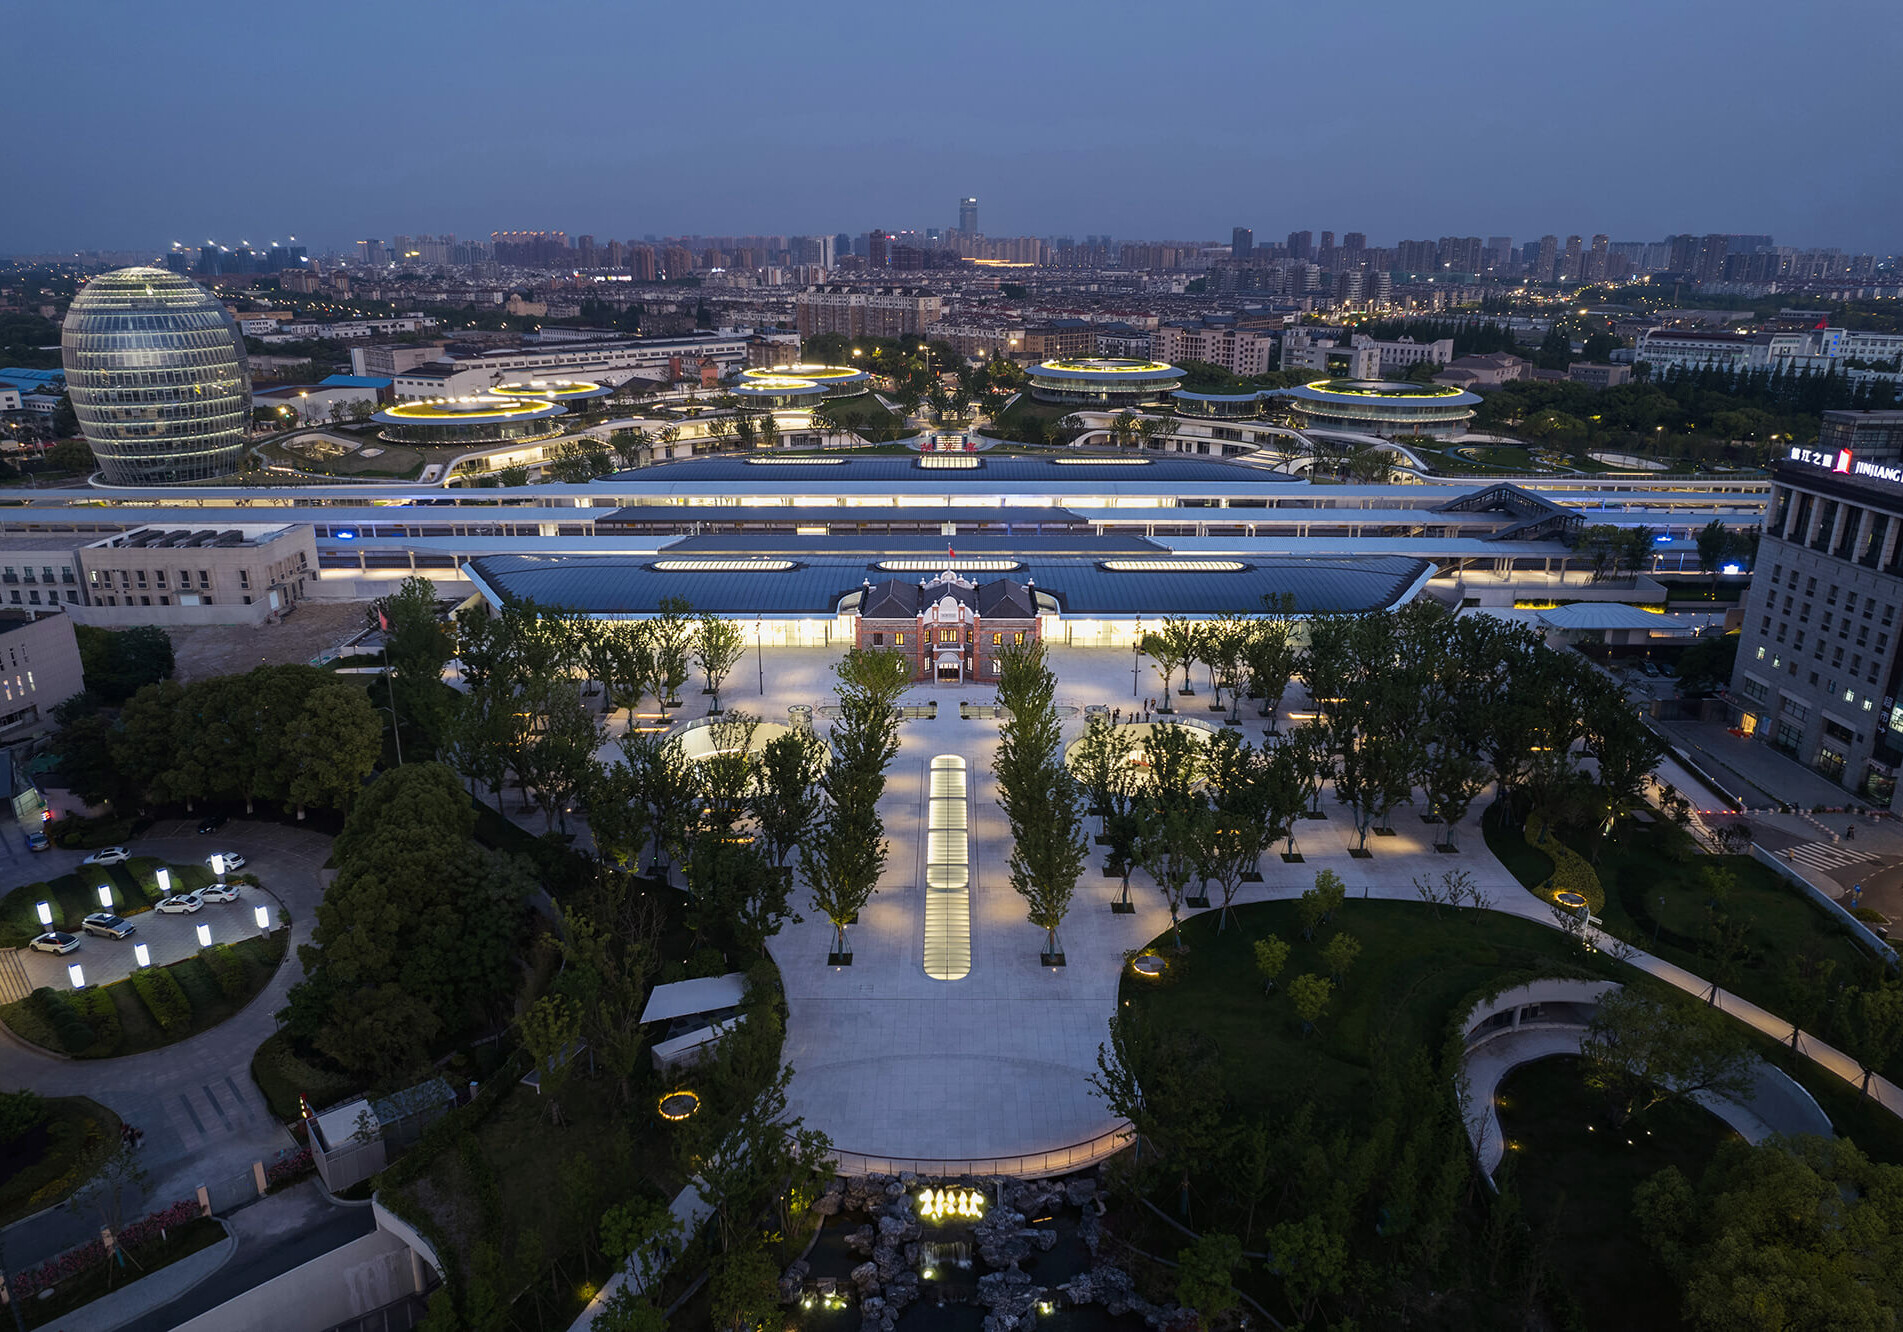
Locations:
(101, 1015)
(163, 997)
(69, 1030)
(19, 1112)
(226, 969)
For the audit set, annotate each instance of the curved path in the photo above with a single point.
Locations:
(204, 1119)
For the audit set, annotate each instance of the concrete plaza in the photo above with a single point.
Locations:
(900, 1068)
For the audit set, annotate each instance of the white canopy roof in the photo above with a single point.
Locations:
(709, 994)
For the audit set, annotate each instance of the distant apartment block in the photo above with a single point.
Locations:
(1598, 376)
(880, 312)
(1240, 351)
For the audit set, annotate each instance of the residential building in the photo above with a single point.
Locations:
(661, 359)
(1217, 341)
(1819, 666)
(1058, 338)
(1241, 243)
(886, 312)
(968, 216)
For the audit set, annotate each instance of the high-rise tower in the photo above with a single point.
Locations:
(156, 369)
(968, 216)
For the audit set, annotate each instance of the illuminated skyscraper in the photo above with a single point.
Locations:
(156, 370)
(968, 216)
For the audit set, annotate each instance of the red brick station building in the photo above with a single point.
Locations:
(952, 628)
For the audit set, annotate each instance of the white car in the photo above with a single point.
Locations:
(55, 942)
(233, 861)
(218, 892)
(179, 904)
(108, 855)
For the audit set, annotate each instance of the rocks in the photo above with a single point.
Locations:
(1043, 1239)
(1081, 1191)
(865, 1277)
(860, 1241)
(792, 1279)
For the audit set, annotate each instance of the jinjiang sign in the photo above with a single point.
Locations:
(1843, 460)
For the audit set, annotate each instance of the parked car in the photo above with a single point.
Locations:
(55, 942)
(179, 904)
(213, 822)
(38, 841)
(1650, 668)
(218, 892)
(107, 925)
(233, 861)
(108, 855)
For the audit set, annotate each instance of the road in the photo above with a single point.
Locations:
(204, 1119)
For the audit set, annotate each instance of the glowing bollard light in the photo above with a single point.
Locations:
(76, 974)
(46, 912)
(141, 955)
(263, 916)
(204, 936)
(164, 877)
(105, 895)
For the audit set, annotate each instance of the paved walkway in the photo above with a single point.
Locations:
(204, 1119)
(1775, 1104)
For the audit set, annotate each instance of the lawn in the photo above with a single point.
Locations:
(1657, 898)
(118, 1018)
(1416, 968)
(74, 896)
(1574, 1170)
(55, 1156)
(1025, 419)
(867, 415)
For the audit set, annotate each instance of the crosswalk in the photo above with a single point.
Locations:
(1824, 856)
(13, 982)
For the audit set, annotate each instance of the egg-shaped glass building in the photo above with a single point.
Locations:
(156, 370)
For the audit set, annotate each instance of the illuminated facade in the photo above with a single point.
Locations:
(483, 418)
(1104, 382)
(156, 370)
(1382, 407)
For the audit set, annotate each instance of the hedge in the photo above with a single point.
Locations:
(226, 969)
(163, 997)
(100, 1014)
(69, 1029)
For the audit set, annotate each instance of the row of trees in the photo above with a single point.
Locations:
(295, 736)
(1037, 792)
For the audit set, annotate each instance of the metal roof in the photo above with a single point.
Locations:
(993, 471)
(630, 585)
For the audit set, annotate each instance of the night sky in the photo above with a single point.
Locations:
(135, 124)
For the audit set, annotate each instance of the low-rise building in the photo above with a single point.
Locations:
(1219, 341)
(1483, 371)
(1599, 376)
(136, 577)
(952, 628)
(39, 670)
(1870, 435)
(387, 362)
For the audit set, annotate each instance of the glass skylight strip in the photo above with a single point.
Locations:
(794, 462)
(723, 566)
(1174, 566)
(1102, 462)
(957, 565)
(947, 873)
(949, 460)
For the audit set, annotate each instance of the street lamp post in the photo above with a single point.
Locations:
(1136, 658)
(759, 657)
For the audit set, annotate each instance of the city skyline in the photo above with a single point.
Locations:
(1619, 135)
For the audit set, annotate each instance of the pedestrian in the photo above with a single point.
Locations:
(1116, 716)
(1850, 832)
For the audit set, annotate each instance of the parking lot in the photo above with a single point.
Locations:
(168, 938)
